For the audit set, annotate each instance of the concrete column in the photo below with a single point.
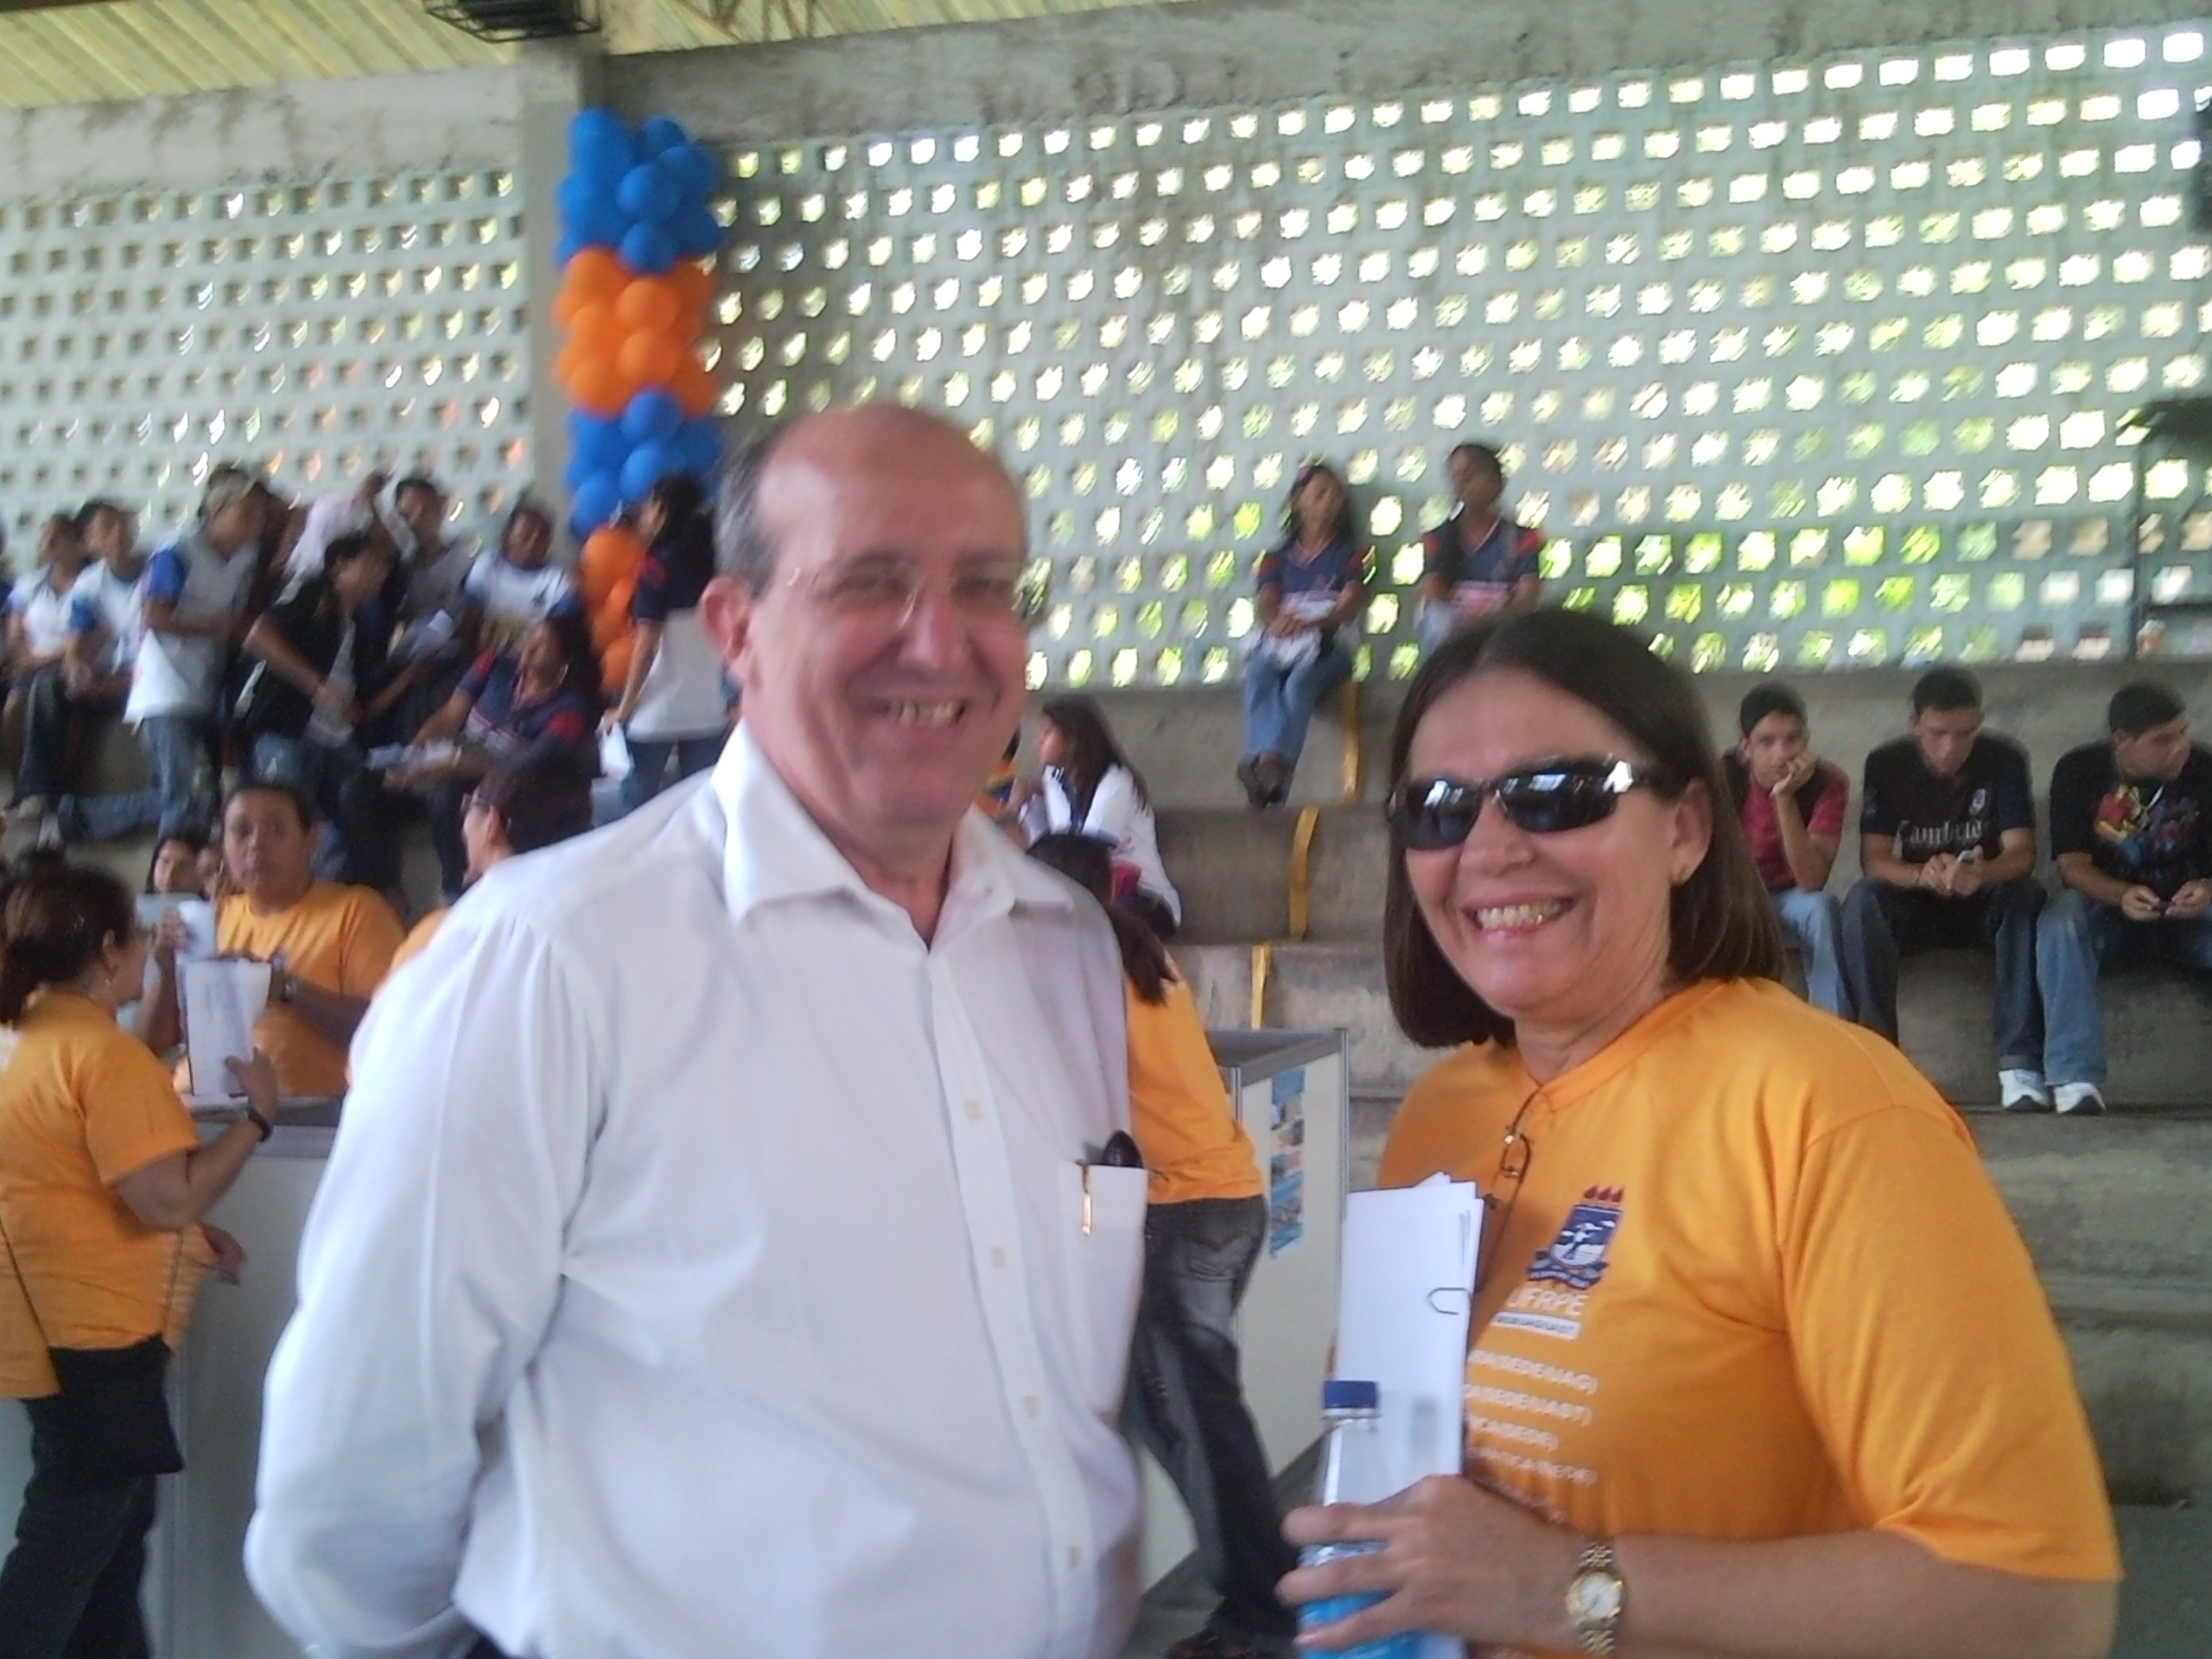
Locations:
(558, 78)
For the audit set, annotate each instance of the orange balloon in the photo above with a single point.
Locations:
(650, 360)
(650, 305)
(566, 304)
(597, 330)
(595, 275)
(620, 595)
(610, 554)
(614, 663)
(598, 387)
(693, 284)
(608, 626)
(566, 362)
(693, 387)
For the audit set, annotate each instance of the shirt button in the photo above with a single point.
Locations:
(975, 1110)
(1075, 1555)
(998, 1255)
(1031, 1404)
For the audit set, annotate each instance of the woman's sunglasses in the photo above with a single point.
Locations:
(1430, 813)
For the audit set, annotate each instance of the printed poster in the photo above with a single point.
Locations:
(1286, 1160)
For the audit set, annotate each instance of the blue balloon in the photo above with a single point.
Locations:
(648, 249)
(648, 192)
(697, 232)
(660, 134)
(651, 418)
(567, 248)
(599, 144)
(595, 501)
(647, 465)
(698, 446)
(692, 169)
(598, 440)
(589, 212)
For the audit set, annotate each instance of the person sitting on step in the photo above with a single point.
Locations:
(1088, 784)
(1791, 802)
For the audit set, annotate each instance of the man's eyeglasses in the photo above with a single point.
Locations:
(1430, 813)
(888, 591)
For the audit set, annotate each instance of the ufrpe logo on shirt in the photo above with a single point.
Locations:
(1577, 1256)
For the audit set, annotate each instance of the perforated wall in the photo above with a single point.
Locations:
(1800, 364)
(319, 329)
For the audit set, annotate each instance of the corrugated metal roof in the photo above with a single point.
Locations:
(75, 53)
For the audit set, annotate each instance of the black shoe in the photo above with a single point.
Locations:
(1247, 775)
(1275, 772)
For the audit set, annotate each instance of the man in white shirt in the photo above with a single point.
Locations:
(510, 589)
(716, 1260)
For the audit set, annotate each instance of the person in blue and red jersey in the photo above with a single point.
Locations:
(1478, 560)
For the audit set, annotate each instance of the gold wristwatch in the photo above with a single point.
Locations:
(1596, 1596)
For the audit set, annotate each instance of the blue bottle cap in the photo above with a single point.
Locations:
(1350, 1393)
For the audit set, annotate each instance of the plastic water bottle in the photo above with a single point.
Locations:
(1353, 1470)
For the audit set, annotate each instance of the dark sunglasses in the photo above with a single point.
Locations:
(1430, 813)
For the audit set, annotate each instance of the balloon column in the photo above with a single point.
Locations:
(608, 577)
(633, 301)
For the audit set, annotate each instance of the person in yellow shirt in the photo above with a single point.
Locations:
(1205, 1219)
(525, 802)
(327, 946)
(1758, 1364)
(104, 1179)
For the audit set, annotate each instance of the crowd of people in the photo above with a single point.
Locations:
(764, 1223)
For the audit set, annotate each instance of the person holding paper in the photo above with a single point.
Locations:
(1478, 561)
(328, 947)
(672, 710)
(1759, 1365)
(1309, 588)
(104, 1181)
(719, 1255)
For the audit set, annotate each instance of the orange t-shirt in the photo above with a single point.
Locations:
(1756, 1283)
(340, 938)
(84, 1103)
(418, 938)
(1193, 1145)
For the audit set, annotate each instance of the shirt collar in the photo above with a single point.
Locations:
(774, 852)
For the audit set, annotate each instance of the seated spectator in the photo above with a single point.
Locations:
(318, 678)
(1205, 1219)
(1311, 586)
(1791, 804)
(1089, 785)
(1478, 560)
(67, 712)
(38, 633)
(1947, 835)
(178, 867)
(433, 565)
(192, 611)
(327, 946)
(549, 694)
(509, 590)
(2131, 829)
(674, 706)
(525, 802)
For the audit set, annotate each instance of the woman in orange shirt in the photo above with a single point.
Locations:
(104, 1179)
(1205, 1220)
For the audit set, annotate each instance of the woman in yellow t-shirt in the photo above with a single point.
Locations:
(1205, 1220)
(102, 1183)
(1758, 1364)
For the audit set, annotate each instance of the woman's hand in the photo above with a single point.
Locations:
(1283, 625)
(170, 936)
(230, 1255)
(337, 704)
(1456, 1560)
(257, 1076)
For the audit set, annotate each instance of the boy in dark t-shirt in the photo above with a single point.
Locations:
(1947, 842)
(2131, 825)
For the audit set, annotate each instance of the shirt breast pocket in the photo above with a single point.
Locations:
(1101, 1214)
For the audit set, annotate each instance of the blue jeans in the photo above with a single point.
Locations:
(1810, 921)
(178, 755)
(1187, 1401)
(2076, 940)
(70, 1587)
(1881, 923)
(649, 758)
(1278, 701)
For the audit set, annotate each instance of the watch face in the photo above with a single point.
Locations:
(1594, 1598)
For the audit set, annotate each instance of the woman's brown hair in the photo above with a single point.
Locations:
(56, 919)
(1720, 923)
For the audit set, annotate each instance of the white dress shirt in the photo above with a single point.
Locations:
(704, 1267)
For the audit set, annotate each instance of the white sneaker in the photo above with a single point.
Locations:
(2024, 1091)
(2080, 1100)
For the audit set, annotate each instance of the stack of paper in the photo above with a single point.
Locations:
(221, 1000)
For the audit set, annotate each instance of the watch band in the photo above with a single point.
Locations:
(1596, 1598)
(260, 1120)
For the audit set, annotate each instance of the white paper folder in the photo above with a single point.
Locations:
(1405, 1297)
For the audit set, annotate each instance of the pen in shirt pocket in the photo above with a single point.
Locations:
(1120, 1152)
